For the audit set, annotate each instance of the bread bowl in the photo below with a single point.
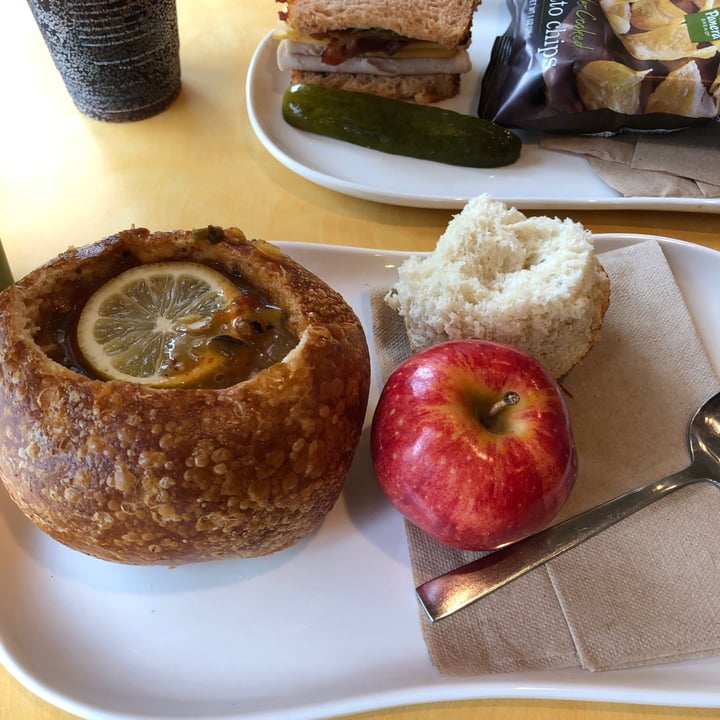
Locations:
(145, 475)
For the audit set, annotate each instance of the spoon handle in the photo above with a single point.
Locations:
(459, 588)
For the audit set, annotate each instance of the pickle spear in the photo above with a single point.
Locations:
(400, 128)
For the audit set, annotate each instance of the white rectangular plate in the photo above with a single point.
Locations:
(325, 628)
(539, 179)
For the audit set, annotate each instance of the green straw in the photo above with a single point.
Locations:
(6, 277)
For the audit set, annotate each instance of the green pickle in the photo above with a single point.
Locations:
(400, 128)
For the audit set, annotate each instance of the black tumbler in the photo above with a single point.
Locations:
(119, 59)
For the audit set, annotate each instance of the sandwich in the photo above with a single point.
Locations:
(394, 48)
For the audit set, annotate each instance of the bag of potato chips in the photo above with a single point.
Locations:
(604, 66)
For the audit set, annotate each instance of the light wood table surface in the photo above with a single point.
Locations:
(65, 179)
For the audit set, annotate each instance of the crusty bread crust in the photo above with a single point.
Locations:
(443, 21)
(600, 301)
(140, 475)
(420, 88)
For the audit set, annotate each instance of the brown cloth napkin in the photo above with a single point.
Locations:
(669, 164)
(647, 590)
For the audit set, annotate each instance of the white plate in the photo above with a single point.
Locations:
(326, 628)
(539, 179)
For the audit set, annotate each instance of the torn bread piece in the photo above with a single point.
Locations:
(495, 274)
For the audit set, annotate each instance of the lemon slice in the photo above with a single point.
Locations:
(146, 324)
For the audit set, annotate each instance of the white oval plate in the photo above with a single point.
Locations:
(326, 628)
(539, 179)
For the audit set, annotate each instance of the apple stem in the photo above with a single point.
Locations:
(509, 398)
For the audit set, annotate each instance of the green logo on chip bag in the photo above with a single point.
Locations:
(704, 25)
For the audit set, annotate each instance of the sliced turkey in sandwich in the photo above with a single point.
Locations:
(395, 48)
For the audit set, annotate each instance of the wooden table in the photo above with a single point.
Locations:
(65, 179)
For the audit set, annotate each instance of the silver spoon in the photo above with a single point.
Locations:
(459, 588)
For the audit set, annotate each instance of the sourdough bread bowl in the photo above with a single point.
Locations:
(144, 475)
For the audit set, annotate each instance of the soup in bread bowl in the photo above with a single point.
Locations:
(167, 460)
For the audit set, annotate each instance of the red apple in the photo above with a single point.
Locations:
(471, 441)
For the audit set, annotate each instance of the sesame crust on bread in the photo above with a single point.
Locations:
(140, 475)
(534, 283)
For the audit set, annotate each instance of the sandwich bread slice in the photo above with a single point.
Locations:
(394, 48)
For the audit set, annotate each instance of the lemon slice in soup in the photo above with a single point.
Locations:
(153, 324)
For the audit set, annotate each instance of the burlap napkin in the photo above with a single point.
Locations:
(647, 590)
(680, 164)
